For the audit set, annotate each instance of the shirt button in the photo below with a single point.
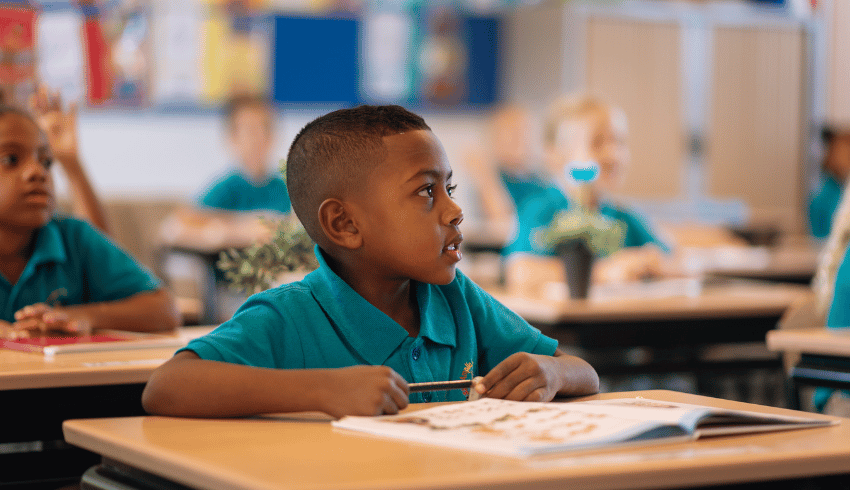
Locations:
(426, 396)
(415, 353)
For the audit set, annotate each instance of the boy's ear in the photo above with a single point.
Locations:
(339, 224)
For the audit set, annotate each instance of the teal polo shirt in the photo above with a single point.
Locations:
(539, 211)
(234, 192)
(320, 322)
(79, 264)
(822, 206)
(838, 317)
(522, 187)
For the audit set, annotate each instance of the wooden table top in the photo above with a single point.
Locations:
(728, 298)
(820, 340)
(305, 452)
(29, 370)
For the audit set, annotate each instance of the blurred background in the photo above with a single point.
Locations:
(725, 99)
(719, 94)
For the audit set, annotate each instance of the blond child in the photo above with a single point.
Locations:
(583, 128)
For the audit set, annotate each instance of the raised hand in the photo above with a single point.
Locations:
(59, 124)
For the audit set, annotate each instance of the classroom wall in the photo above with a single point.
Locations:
(145, 154)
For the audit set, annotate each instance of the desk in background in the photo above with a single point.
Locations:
(39, 392)
(824, 358)
(714, 335)
(307, 453)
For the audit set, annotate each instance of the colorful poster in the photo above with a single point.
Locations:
(234, 51)
(177, 51)
(60, 53)
(17, 54)
(386, 57)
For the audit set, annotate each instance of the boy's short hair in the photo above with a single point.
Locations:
(331, 156)
(244, 101)
(571, 107)
(11, 109)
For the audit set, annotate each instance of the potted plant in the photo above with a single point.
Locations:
(579, 236)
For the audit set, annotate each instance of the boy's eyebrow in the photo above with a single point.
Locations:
(430, 172)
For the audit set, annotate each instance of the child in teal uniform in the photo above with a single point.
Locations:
(386, 307)
(226, 214)
(60, 274)
(579, 128)
(836, 169)
(831, 286)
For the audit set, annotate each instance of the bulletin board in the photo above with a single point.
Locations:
(194, 54)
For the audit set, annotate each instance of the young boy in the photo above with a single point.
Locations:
(580, 128)
(226, 213)
(60, 274)
(836, 169)
(386, 307)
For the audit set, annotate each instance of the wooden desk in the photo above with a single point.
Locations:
(41, 392)
(286, 452)
(717, 333)
(795, 263)
(824, 358)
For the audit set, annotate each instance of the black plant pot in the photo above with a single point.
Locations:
(578, 264)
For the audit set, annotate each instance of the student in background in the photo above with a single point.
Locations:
(60, 274)
(60, 126)
(578, 128)
(505, 175)
(226, 214)
(373, 188)
(836, 169)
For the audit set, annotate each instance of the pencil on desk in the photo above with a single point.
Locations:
(440, 385)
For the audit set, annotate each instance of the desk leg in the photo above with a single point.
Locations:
(111, 475)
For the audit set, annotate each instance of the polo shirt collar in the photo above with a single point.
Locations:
(370, 331)
(434, 314)
(49, 246)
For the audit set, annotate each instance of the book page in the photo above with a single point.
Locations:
(511, 428)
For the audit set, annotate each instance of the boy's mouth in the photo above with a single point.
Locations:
(453, 247)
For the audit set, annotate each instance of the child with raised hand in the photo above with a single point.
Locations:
(387, 306)
(60, 274)
(579, 128)
(60, 126)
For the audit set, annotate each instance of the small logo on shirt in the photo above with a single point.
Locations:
(467, 371)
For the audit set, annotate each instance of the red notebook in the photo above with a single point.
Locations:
(105, 340)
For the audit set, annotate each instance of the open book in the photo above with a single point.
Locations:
(525, 428)
(102, 340)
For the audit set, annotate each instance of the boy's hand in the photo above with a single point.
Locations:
(364, 390)
(60, 126)
(522, 377)
(40, 319)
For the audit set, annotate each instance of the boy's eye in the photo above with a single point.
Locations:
(427, 192)
(9, 160)
(451, 190)
(47, 162)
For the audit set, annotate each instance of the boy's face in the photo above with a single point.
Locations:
(26, 184)
(408, 219)
(599, 136)
(251, 138)
(838, 157)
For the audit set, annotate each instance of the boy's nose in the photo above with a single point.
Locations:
(34, 170)
(456, 215)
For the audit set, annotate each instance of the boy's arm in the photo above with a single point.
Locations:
(188, 386)
(207, 229)
(60, 126)
(148, 311)
(533, 377)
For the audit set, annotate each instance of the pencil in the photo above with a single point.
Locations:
(440, 385)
